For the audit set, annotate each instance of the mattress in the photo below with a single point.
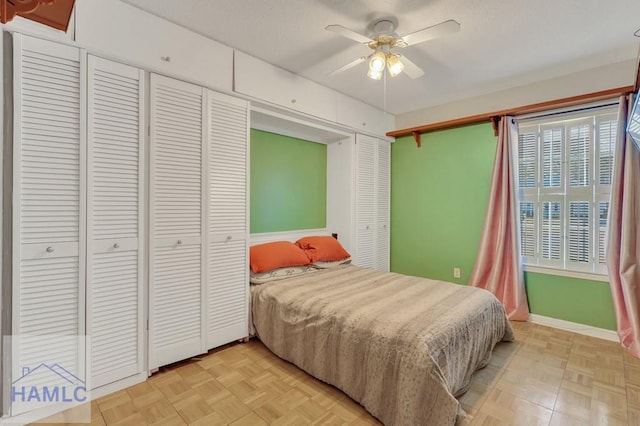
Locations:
(404, 347)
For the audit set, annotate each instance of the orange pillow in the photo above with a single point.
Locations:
(279, 254)
(322, 249)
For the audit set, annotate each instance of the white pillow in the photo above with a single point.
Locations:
(327, 265)
(279, 273)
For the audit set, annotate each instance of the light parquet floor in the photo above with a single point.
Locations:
(545, 377)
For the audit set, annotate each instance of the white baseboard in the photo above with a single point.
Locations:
(586, 330)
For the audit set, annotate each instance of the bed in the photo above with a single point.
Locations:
(404, 347)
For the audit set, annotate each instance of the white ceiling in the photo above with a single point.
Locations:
(501, 44)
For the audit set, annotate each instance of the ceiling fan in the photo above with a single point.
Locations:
(383, 43)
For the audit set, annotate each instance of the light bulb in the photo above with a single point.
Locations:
(394, 65)
(377, 62)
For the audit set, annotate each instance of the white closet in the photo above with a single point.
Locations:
(365, 194)
(358, 198)
(77, 212)
(89, 232)
(115, 249)
(177, 213)
(199, 221)
(228, 219)
(48, 205)
(372, 202)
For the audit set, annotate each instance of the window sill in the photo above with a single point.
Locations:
(565, 273)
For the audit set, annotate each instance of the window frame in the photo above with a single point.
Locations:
(595, 193)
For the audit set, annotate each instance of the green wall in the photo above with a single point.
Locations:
(439, 196)
(571, 299)
(288, 183)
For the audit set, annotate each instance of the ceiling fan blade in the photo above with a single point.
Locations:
(346, 32)
(411, 69)
(436, 31)
(349, 65)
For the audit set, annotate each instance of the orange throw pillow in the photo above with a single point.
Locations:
(279, 254)
(322, 249)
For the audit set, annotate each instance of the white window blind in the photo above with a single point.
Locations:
(528, 229)
(579, 232)
(552, 141)
(527, 150)
(580, 142)
(551, 227)
(606, 127)
(565, 164)
(603, 212)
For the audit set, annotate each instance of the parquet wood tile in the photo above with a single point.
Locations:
(573, 404)
(546, 377)
(251, 419)
(561, 419)
(632, 374)
(634, 416)
(633, 397)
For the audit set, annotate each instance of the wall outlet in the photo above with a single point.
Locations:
(456, 272)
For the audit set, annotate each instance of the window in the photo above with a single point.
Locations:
(565, 165)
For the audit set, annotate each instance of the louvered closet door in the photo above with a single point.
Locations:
(175, 293)
(114, 222)
(365, 201)
(383, 204)
(227, 266)
(48, 231)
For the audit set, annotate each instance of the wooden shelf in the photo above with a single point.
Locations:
(494, 117)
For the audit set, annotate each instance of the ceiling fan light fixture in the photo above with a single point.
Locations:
(394, 65)
(385, 40)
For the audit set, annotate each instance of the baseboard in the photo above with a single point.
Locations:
(586, 330)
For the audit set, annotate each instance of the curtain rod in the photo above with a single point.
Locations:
(495, 116)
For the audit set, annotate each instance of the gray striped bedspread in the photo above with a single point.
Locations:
(404, 347)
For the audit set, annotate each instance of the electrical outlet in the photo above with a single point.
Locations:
(456, 272)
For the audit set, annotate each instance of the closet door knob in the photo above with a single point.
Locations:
(49, 249)
(116, 245)
(179, 241)
(228, 238)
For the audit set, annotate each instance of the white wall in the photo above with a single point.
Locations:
(588, 81)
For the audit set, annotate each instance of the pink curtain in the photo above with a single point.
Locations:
(623, 248)
(497, 266)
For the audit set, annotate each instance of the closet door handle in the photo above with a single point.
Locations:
(228, 238)
(116, 245)
(49, 249)
(179, 242)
